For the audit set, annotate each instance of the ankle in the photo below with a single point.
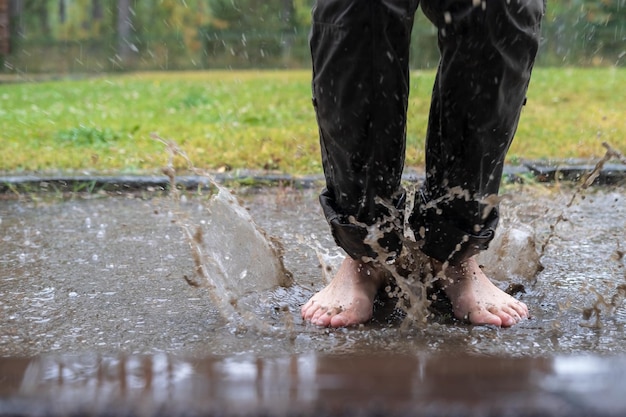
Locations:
(448, 274)
(370, 272)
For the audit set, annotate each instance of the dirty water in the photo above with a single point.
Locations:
(312, 385)
(110, 275)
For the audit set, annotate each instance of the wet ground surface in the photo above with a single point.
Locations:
(95, 282)
(107, 274)
(313, 385)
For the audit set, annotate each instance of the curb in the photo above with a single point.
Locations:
(611, 174)
(150, 183)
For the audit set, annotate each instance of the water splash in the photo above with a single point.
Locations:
(512, 255)
(604, 305)
(329, 260)
(410, 270)
(588, 180)
(233, 256)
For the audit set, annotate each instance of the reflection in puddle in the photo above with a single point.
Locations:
(312, 385)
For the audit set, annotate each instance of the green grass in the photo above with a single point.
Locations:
(263, 120)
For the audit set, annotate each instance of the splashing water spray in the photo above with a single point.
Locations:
(233, 256)
(410, 269)
(601, 304)
(414, 275)
(610, 154)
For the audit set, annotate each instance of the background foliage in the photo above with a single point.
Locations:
(112, 35)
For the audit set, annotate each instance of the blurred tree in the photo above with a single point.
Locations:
(40, 10)
(125, 45)
(96, 22)
(605, 29)
(585, 31)
(247, 33)
(16, 16)
(5, 34)
(96, 10)
(62, 11)
(253, 30)
(174, 20)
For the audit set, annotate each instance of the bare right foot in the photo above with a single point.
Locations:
(348, 299)
(476, 299)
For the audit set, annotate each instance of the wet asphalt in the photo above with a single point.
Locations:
(98, 317)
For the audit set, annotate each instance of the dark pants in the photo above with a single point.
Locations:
(360, 52)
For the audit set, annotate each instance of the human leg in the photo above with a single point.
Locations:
(360, 94)
(487, 49)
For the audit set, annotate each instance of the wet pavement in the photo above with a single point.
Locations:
(313, 385)
(94, 297)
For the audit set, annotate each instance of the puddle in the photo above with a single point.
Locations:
(110, 275)
(312, 385)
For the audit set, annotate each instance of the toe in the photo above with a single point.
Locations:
(507, 320)
(345, 318)
(484, 316)
(511, 312)
(520, 308)
(318, 317)
(339, 320)
(509, 316)
(308, 309)
(323, 320)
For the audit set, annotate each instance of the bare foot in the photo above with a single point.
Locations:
(348, 299)
(476, 299)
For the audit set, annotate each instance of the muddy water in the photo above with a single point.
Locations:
(312, 385)
(108, 275)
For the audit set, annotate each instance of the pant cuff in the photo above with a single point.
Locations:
(353, 237)
(439, 237)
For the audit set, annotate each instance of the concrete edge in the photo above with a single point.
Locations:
(611, 174)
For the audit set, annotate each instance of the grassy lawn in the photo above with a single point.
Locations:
(263, 120)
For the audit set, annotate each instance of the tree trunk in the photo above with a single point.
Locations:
(44, 21)
(97, 13)
(16, 10)
(124, 30)
(5, 33)
(62, 11)
(288, 35)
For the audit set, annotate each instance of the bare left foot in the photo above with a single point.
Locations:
(476, 299)
(348, 299)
